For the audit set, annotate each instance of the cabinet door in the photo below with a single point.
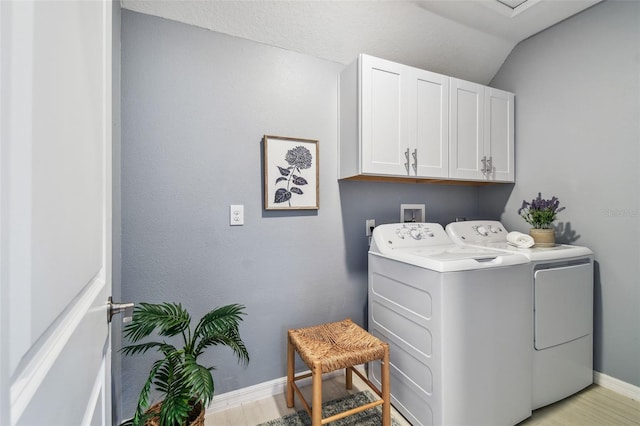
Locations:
(499, 134)
(467, 130)
(384, 111)
(429, 123)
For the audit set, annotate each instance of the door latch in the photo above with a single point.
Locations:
(118, 308)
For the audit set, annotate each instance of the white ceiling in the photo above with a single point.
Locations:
(468, 39)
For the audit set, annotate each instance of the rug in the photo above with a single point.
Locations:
(371, 417)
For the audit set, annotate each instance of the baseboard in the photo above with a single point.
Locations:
(277, 386)
(261, 390)
(617, 385)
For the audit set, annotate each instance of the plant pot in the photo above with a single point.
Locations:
(543, 237)
(196, 421)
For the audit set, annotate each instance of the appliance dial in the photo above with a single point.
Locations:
(493, 229)
(482, 230)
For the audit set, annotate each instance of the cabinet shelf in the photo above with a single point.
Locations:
(414, 180)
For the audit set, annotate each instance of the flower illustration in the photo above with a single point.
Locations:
(298, 158)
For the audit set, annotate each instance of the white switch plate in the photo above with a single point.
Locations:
(236, 214)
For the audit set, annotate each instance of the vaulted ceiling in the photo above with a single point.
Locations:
(468, 39)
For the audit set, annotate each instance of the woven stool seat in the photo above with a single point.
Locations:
(336, 345)
(333, 346)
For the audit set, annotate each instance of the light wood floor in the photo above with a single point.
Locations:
(594, 406)
(266, 409)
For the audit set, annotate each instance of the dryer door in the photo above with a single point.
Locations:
(563, 304)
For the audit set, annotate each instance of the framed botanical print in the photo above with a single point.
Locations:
(290, 173)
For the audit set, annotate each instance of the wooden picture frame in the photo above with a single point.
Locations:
(291, 173)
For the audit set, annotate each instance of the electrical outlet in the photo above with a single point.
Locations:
(370, 224)
(236, 214)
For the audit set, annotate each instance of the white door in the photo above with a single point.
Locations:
(563, 302)
(385, 149)
(429, 123)
(467, 130)
(499, 134)
(55, 216)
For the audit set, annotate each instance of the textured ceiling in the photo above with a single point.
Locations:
(468, 39)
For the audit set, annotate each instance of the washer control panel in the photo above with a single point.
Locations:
(475, 231)
(417, 232)
(402, 235)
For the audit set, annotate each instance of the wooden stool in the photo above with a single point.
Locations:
(329, 347)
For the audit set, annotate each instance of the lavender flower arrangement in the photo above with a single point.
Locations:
(540, 213)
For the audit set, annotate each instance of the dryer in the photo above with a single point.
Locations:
(561, 280)
(458, 323)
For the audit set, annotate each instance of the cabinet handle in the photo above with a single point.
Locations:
(490, 165)
(406, 165)
(415, 161)
(484, 165)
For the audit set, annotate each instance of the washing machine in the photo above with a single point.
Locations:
(561, 279)
(458, 326)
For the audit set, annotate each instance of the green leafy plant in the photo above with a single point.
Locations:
(186, 385)
(540, 213)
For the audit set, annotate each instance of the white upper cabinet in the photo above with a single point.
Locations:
(399, 124)
(467, 130)
(384, 122)
(429, 124)
(482, 134)
(499, 134)
(400, 121)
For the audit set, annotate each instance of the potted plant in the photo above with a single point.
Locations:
(540, 214)
(185, 385)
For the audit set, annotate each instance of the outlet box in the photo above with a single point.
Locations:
(412, 213)
(370, 224)
(236, 215)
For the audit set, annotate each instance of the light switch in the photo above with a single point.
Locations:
(236, 214)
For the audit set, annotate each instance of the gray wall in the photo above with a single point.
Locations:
(116, 223)
(577, 137)
(195, 105)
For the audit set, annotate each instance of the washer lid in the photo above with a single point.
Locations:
(427, 245)
(557, 252)
(491, 234)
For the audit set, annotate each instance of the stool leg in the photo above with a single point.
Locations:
(316, 407)
(348, 377)
(386, 388)
(290, 370)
